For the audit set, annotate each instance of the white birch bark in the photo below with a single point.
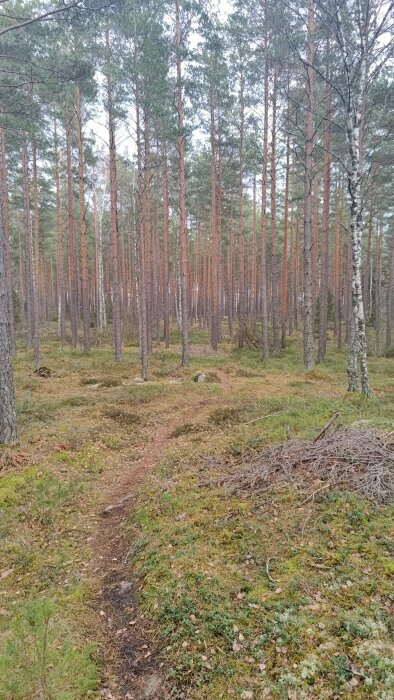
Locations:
(356, 83)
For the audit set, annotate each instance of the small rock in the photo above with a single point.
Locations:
(139, 380)
(247, 695)
(152, 685)
(124, 586)
(181, 516)
(202, 377)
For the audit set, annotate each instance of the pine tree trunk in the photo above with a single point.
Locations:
(241, 294)
(315, 243)
(72, 253)
(82, 223)
(116, 298)
(182, 196)
(140, 244)
(367, 270)
(378, 292)
(8, 433)
(214, 261)
(253, 291)
(322, 348)
(61, 297)
(7, 233)
(390, 299)
(285, 247)
(274, 258)
(166, 300)
(308, 243)
(263, 271)
(29, 258)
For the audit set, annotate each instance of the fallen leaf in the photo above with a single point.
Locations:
(6, 573)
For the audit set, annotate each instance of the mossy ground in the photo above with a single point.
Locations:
(320, 629)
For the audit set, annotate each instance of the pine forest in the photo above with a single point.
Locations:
(196, 349)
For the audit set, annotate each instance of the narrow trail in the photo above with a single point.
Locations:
(132, 667)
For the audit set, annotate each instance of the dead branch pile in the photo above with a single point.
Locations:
(362, 460)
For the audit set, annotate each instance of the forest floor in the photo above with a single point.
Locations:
(126, 573)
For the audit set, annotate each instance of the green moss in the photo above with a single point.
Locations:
(10, 487)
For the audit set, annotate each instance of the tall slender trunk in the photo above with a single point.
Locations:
(285, 246)
(82, 224)
(241, 259)
(30, 290)
(140, 239)
(148, 225)
(8, 432)
(166, 301)
(263, 290)
(98, 235)
(253, 290)
(230, 289)
(315, 243)
(274, 254)
(390, 297)
(7, 233)
(367, 269)
(219, 229)
(297, 274)
(116, 298)
(354, 130)
(36, 230)
(214, 261)
(322, 348)
(378, 290)
(182, 195)
(308, 242)
(61, 297)
(72, 253)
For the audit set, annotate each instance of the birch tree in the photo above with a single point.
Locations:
(363, 34)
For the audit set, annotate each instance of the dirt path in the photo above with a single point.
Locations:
(132, 667)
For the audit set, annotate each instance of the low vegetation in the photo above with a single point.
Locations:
(284, 593)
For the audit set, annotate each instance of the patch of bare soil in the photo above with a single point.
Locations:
(129, 647)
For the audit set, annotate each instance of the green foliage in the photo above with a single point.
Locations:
(40, 659)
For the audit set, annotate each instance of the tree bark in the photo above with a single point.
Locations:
(263, 271)
(7, 233)
(166, 300)
(322, 348)
(116, 298)
(182, 196)
(214, 243)
(82, 224)
(61, 297)
(30, 290)
(356, 91)
(308, 243)
(390, 295)
(274, 255)
(8, 434)
(72, 253)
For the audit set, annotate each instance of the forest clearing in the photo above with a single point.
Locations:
(128, 573)
(196, 350)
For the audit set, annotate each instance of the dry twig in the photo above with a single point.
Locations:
(361, 460)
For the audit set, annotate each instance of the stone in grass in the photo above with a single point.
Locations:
(201, 377)
(152, 685)
(139, 380)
